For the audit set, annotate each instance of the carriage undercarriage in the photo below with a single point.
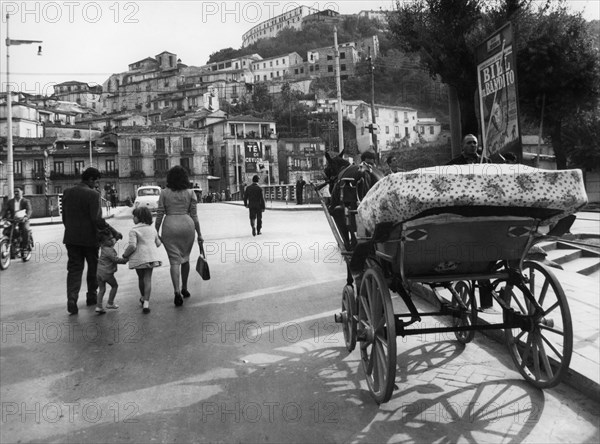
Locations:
(450, 255)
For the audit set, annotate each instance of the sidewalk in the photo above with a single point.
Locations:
(583, 294)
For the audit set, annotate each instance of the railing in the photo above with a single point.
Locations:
(287, 193)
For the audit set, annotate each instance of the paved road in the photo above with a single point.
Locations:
(253, 356)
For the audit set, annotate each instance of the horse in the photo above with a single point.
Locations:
(348, 185)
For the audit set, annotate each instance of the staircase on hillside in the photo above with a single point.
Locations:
(573, 257)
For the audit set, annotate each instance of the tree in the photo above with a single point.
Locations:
(440, 31)
(557, 64)
(581, 133)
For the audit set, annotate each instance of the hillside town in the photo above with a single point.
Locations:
(162, 112)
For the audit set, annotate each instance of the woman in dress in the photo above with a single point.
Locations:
(177, 209)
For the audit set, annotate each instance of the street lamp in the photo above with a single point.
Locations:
(9, 137)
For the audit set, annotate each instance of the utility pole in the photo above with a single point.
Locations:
(374, 120)
(339, 92)
(10, 176)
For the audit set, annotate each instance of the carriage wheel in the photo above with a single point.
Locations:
(468, 315)
(378, 334)
(542, 351)
(4, 254)
(349, 317)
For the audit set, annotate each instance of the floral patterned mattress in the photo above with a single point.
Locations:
(401, 196)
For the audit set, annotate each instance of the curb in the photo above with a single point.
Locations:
(576, 380)
(293, 207)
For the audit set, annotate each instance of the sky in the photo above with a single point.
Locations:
(88, 41)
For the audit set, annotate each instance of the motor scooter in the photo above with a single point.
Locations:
(10, 241)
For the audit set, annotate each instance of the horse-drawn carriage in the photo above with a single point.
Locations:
(449, 230)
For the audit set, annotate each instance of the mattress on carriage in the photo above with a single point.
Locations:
(401, 196)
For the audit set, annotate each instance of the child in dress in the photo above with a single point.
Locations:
(142, 252)
(107, 267)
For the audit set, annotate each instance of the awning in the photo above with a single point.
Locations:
(213, 178)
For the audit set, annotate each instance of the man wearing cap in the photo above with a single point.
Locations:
(82, 217)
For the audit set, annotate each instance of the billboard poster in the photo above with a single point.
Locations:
(253, 156)
(498, 98)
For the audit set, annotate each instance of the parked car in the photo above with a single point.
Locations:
(147, 195)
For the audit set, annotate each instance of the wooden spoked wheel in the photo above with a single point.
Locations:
(541, 349)
(377, 332)
(4, 254)
(468, 312)
(349, 317)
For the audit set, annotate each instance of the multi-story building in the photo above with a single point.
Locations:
(235, 146)
(320, 62)
(145, 79)
(79, 92)
(275, 68)
(301, 157)
(271, 27)
(145, 154)
(49, 165)
(428, 129)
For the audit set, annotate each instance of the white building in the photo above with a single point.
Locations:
(275, 67)
(271, 27)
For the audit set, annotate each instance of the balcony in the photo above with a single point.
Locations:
(37, 175)
(160, 173)
(111, 173)
(137, 174)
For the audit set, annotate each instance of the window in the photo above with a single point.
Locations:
(38, 165)
(395, 116)
(405, 117)
(161, 164)
(387, 129)
(39, 189)
(431, 130)
(136, 146)
(317, 67)
(329, 57)
(396, 131)
(136, 164)
(110, 165)
(342, 55)
(79, 165)
(406, 131)
(59, 167)
(160, 146)
(187, 144)
(329, 68)
(362, 130)
(185, 163)
(58, 189)
(18, 164)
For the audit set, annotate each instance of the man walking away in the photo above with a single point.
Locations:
(255, 202)
(82, 217)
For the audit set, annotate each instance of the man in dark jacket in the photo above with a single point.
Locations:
(82, 217)
(470, 153)
(15, 204)
(255, 202)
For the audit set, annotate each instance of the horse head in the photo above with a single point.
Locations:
(334, 166)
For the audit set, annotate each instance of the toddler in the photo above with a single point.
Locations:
(105, 274)
(142, 252)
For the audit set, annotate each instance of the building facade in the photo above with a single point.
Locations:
(271, 27)
(301, 157)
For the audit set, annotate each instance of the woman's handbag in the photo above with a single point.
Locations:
(202, 265)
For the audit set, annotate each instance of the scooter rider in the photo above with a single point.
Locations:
(16, 204)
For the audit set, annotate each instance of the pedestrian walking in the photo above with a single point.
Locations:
(82, 218)
(299, 190)
(107, 267)
(255, 202)
(177, 213)
(142, 252)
